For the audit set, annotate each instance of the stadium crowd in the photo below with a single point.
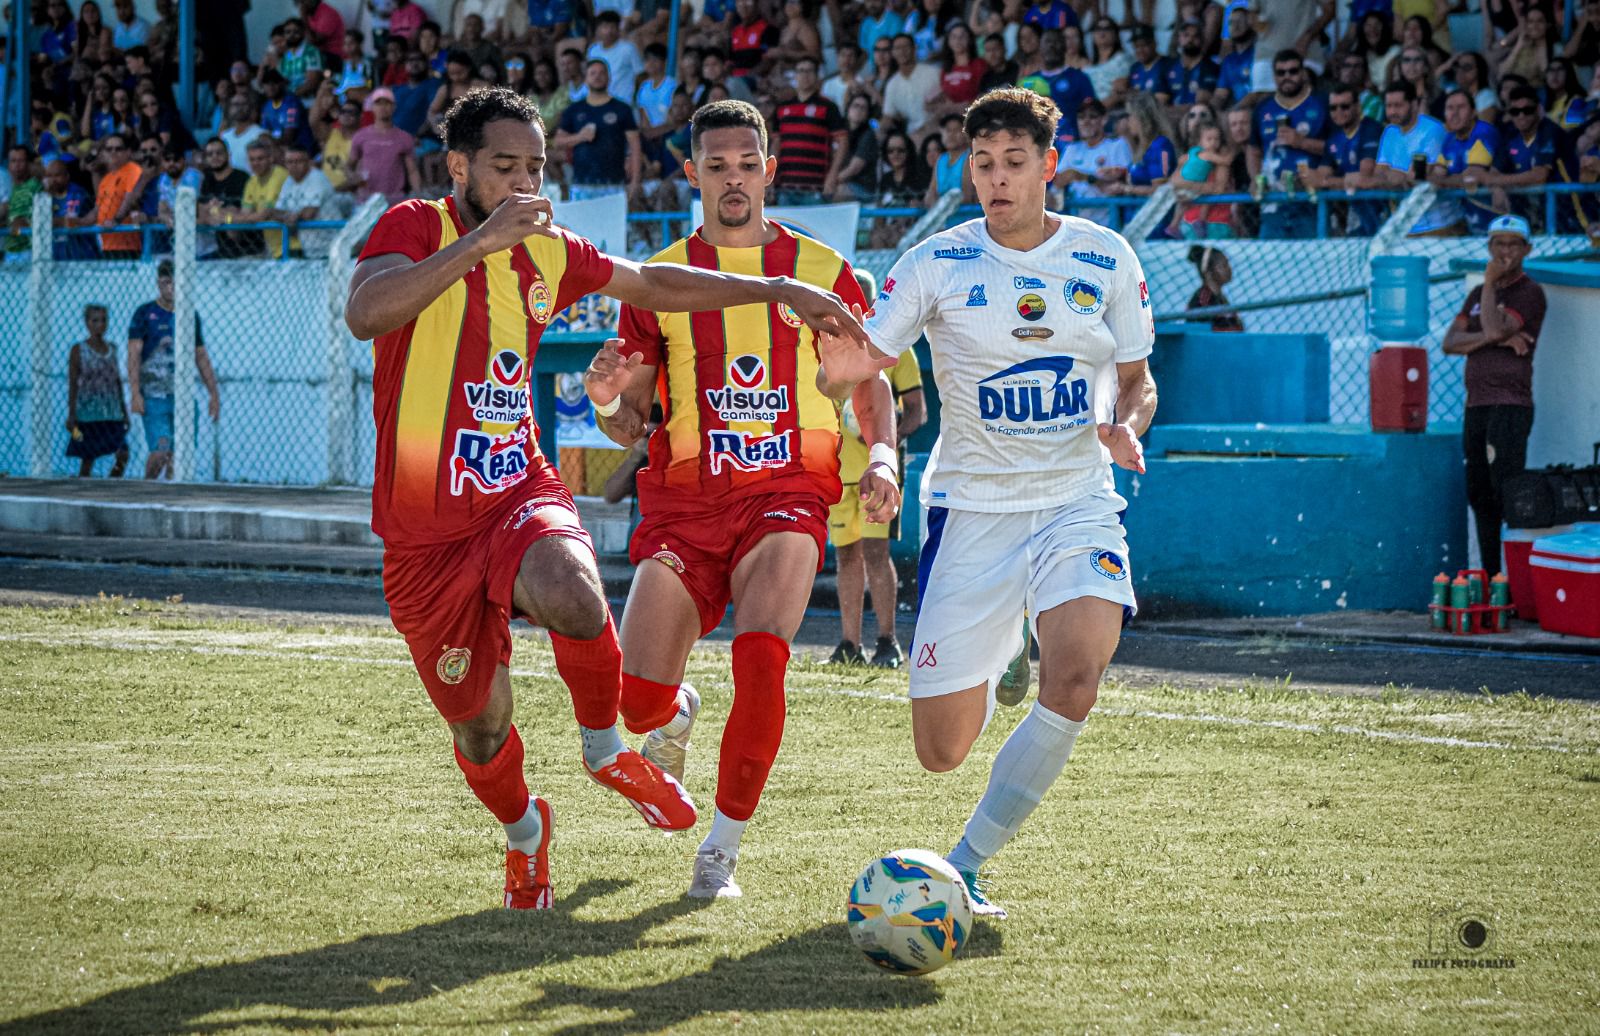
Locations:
(1272, 99)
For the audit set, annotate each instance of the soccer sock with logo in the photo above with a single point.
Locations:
(592, 671)
(755, 723)
(647, 704)
(1025, 767)
(500, 785)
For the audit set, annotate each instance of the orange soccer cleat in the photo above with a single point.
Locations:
(528, 877)
(652, 791)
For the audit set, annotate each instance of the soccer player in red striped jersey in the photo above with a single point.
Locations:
(476, 524)
(734, 501)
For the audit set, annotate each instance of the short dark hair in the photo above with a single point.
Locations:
(272, 75)
(458, 57)
(728, 114)
(1404, 87)
(608, 16)
(25, 149)
(465, 120)
(431, 24)
(1471, 101)
(1340, 88)
(137, 51)
(164, 269)
(1017, 110)
(1523, 93)
(1288, 54)
(656, 50)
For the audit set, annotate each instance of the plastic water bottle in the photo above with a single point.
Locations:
(1441, 597)
(1460, 598)
(1500, 594)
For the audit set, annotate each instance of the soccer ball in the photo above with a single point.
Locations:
(909, 912)
(847, 420)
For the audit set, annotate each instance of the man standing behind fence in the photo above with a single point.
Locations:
(1497, 330)
(151, 360)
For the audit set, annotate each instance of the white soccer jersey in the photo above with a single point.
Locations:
(1025, 347)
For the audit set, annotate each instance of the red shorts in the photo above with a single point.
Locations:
(452, 601)
(704, 547)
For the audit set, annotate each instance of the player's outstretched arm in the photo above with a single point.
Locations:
(845, 363)
(388, 291)
(873, 402)
(671, 288)
(620, 378)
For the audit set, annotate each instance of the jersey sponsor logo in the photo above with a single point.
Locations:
(733, 404)
(541, 303)
(525, 514)
(747, 371)
(742, 451)
(1025, 395)
(888, 289)
(961, 252)
(453, 664)
(1105, 262)
(1027, 283)
(1026, 333)
(1031, 307)
(507, 367)
(503, 399)
(1108, 564)
(1144, 296)
(1084, 296)
(976, 297)
(491, 463)
(789, 316)
(926, 659)
(781, 516)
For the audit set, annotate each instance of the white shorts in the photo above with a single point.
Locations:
(980, 572)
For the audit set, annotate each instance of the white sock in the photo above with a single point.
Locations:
(724, 834)
(524, 835)
(600, 747)
(680, 719)
(1025, 767)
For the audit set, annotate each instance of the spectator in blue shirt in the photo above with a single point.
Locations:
(878, 24)
(1192, 77)
(1469, 151)
(71, 206)
(1412, 140)
(603, 137)
(1149, 71)
(1063, 84)
(412, 98)
(1233, 75)
(1051, 14)
(1351, 155)
(1291, 128)
(1529, 155)
(283, 115)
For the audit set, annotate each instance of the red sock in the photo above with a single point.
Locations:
(592, 670)
(646, 704)
(755, 723)
(499, 783)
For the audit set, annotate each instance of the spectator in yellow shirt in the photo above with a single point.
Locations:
(262, 189)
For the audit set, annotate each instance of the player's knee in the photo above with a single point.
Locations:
(940, 753)
(580, 614)
(480, 738)
(1072, 693)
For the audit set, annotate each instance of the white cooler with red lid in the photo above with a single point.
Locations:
(1566, 582)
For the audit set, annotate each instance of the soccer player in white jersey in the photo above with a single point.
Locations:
(1040, 326)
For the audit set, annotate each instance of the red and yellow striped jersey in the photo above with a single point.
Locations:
(450, 389)
(742, 413)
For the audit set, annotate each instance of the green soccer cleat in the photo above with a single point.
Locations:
(1014, 682)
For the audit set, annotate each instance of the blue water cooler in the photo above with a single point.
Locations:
(1397, 315)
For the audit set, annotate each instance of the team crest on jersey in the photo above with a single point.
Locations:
(789, 316)
(1109, 564)
(1105, 262)
(1084, 296)
(540, 302)
(489, 463)
(1031, 307)
(670, 559)
(976, 297)
(747, 371)
(453, 664)
(742, 451)
(1027, 283)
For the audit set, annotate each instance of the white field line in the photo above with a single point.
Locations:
(302, 655)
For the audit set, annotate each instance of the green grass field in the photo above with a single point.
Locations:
(217, 827)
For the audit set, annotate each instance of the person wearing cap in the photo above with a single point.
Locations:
(382, 159)
(1092, 161)
(1497, 331)
(1148, 73)
(151, 361)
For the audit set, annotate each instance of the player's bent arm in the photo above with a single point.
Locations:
(388, 291)
(1136, 395)
(631, 421)
(873, 402)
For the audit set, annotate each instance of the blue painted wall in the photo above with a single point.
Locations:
(1209, 377)
(1238, 520)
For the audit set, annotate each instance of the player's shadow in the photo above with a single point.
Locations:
(310, 987)
(815, 970)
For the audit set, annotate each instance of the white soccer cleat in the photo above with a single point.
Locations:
(982, 905)
(669, 753)
(713, 875)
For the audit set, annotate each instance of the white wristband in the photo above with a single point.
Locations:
(883, 453)
(608, 409)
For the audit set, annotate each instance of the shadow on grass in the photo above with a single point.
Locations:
(814, 970)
